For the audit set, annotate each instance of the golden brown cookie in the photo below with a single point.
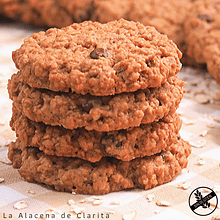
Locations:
(202, 35)
(72, 110)
(147, 139)
(107, 175)
(100, 59)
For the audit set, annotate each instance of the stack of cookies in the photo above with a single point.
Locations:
(94, 108)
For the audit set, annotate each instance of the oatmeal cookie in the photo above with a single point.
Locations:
(100, 59)
(202, 35)
(107, 175)
(48, 13)
(125, 145)
(166, 16)
(72, 110)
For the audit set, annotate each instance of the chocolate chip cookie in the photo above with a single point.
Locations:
(147, 139)
(47, 13)
(108, 113)
(202, 31)
(107, 175)
(100, 59)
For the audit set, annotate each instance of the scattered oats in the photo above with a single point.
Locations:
(150, 197)
(71, 202)
(216, 188)
(217, 217)
(110, 212)
(129, 215)
(202, 99)
(2, 180)
(217, 96)
(76, 209)
(5, 160)
(31, 192)
(200, 161)
(203, 133)
(185, 185)
(156, 211)
(205, 190)
(50, 211)
(97, 202)
(20, 205)
(83, 201)
(211, 125)
(42, 218)
(188, 121)
(2, 123)
(193, 84)
(201, 92)
(114, 203)
(96, 198)
(163, 203)
(180, 112)
(213, 205)
(8, 142)
(198, 144)
(216, 119)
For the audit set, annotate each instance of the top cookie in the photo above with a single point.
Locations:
(100, 59)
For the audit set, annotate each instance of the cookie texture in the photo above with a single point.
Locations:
(108, 113)
(202, 31)
(125, 145)
(107, 175)
(47, 13)
(166, 16)
(100, 59)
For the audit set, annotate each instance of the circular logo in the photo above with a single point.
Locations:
(203, 201)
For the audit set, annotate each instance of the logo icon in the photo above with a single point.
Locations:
(203, 201)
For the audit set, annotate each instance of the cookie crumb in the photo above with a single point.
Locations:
(20, 205)
(129, 215)
(2, 180)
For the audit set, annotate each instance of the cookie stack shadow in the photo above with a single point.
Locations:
(94, 108)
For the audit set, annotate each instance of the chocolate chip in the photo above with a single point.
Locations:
(118, 145)
(87, 106)
(99, 52)
(205, 17)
